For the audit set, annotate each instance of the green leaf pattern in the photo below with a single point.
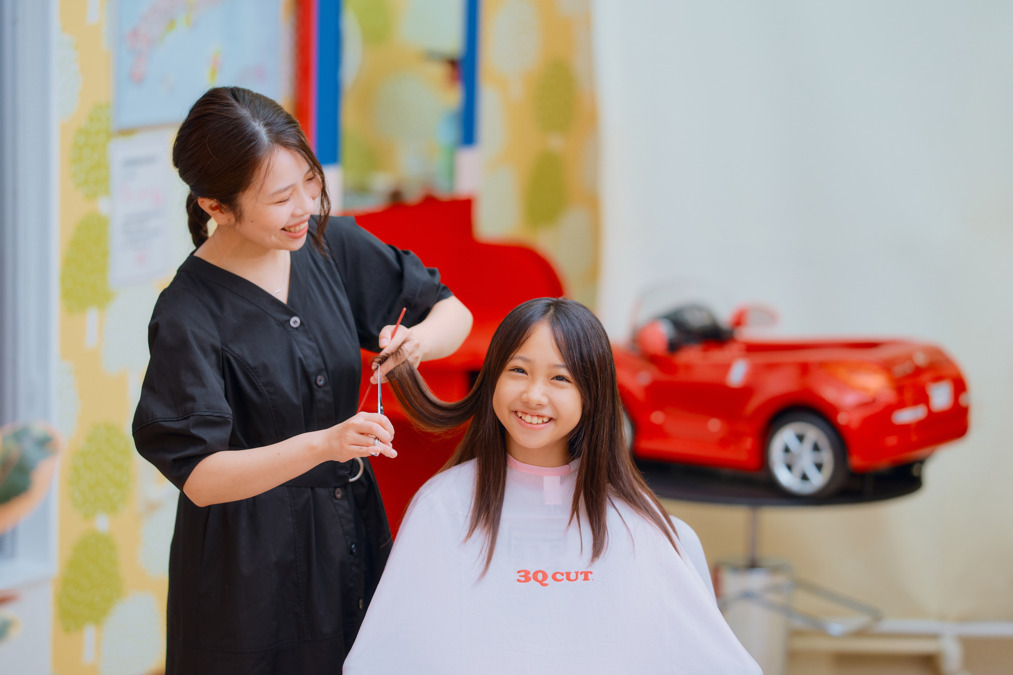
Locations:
(545, 197)
(84, 275)
(556, 98)
(90, 584)
(89, 158)
(101, 472)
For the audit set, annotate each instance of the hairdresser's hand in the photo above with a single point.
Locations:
(397, 348)
(364, 434)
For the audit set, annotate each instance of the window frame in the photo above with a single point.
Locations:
(29, 282)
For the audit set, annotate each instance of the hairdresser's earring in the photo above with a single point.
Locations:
(210, 206)
(216, 212)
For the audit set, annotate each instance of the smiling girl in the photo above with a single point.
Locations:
(539, 548)
(249, 402)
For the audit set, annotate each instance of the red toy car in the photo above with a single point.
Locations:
(807, 412)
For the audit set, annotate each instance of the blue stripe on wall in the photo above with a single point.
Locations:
(328, 112)
(469, 76)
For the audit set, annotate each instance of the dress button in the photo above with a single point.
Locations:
(321, 380)
(338, 493)
(352, 548)
(360, 604)
(294, 322)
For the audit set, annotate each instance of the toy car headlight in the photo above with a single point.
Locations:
(867, 378)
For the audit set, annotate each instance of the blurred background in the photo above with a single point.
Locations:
(847, 163)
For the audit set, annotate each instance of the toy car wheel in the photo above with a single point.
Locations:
(805, 455)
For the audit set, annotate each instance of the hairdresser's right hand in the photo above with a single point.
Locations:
(399, 346)
(363, 435)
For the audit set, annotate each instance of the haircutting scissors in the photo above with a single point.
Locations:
(379, 382)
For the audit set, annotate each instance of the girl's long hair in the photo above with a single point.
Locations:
(606, 470)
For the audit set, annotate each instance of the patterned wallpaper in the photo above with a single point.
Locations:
(538, 134)
(115, 512)
(399, 111)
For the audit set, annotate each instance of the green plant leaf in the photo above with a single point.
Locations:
(22, 449)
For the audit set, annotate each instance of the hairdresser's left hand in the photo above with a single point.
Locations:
(397, 348)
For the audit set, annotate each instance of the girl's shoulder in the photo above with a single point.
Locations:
(688, 538)
(683, 529)
(691, 546)
(643, 530)
(449, 480)
(450, 488)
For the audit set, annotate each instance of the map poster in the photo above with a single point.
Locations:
(169, 52)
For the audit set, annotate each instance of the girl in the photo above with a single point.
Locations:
(539, 548)
(248, 404)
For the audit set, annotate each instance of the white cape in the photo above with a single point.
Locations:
(541, 607)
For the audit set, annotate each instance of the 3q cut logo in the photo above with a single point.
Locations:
(543, 578)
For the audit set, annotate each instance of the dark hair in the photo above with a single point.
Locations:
(606, 468)
(222, 144)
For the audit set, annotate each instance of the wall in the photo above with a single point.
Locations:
(850, 164)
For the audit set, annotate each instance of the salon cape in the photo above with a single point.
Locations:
(542, 607)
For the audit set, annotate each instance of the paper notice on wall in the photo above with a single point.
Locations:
(141, 207)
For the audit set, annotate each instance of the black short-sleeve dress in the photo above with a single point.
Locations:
(277, 583)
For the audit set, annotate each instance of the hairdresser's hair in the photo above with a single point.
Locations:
(606, 469)
(222, 145)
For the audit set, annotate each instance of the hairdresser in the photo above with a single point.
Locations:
(249, 402)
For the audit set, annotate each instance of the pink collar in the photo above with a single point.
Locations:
(541, 470)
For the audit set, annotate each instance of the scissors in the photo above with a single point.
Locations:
(379, 395)
(379, 382)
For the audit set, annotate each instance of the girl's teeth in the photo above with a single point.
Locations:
(532, 419)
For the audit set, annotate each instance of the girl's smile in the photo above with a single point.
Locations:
(532, 420)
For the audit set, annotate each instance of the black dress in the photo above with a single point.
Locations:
(277, 583)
